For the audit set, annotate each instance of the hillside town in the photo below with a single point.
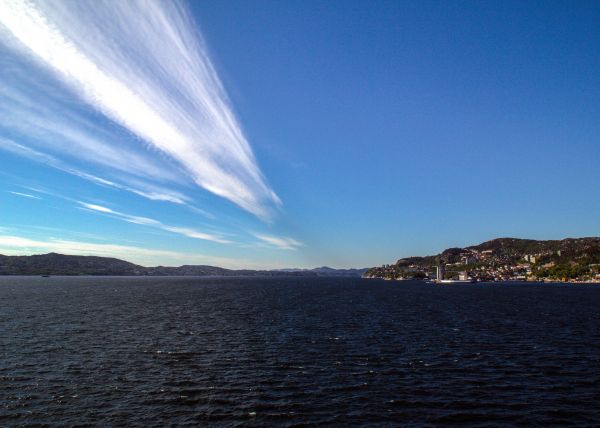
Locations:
(505, 259)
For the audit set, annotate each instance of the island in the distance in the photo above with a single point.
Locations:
(61, 264)
(504, 259)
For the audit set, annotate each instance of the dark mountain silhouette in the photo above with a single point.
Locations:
(61, 264)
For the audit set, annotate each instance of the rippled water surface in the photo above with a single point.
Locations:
(263, 352)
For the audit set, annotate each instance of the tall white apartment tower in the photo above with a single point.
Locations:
(439, 272)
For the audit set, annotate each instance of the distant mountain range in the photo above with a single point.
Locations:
(61, 264)
(506, 259)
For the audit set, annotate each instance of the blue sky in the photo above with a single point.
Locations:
(295, 134)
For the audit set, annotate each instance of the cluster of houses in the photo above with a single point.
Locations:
(474, 265)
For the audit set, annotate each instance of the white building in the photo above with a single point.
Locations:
(439, 272)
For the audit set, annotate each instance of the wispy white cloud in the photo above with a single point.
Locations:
(19, 245)
(145, 221)
(281, 242)
(40, 115)
(98, 208)
(148, 191)
(25, 195)
(191, 233)
(143, 65)
(56, 231)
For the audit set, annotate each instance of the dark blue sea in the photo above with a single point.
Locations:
(296, 352)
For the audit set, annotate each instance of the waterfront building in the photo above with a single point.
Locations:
(439, 272)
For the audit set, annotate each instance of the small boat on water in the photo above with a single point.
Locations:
(45, 276)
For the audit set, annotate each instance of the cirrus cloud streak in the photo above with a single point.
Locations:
(143, 65)
(145, 221)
